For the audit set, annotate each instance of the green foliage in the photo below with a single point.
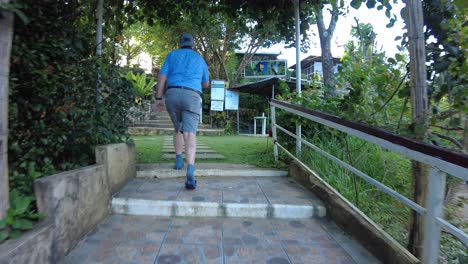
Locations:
(371, 85)
(446, 37)
(384, 166)
(236, 149)
(14, 7)
(20, 217)
(142, 86)
(54, 120)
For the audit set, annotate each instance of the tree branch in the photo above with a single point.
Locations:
(451, 139)
(448, 128)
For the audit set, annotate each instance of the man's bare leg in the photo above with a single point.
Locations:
(178, 147)
(190, 147)
(190, 151)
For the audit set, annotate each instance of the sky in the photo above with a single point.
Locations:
(385, 36)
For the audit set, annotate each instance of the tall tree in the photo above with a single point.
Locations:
(226, 25)
(364, 32)
(325, 36)
(420, 114)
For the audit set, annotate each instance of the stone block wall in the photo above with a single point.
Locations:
(74, 202)
(119, 161)
(33, 247)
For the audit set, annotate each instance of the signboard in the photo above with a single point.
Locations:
(232, 100)
(217, 106)
(266, 69)
(217, 90)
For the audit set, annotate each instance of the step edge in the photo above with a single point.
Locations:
(135, 206)
(171, 173)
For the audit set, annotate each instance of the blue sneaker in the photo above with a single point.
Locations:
(190, 183)
(179, 162)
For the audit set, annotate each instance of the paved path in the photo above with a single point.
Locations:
(146, 239)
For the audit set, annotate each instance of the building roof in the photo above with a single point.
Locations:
(261, 53)
(264, 87)
(311, 59)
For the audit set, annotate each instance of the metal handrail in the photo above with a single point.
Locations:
(441, 160)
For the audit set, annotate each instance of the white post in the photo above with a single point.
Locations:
(273, 131)
(6, 34)
(298, 48)
(434, 209)
(255, 126)
(237, 116)
(298, 141)
(298, 74)
(263, 124)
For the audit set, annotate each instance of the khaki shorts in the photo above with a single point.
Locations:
(184, 107)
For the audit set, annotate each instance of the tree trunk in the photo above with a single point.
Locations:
(6, 32)
(420, 110)
(325, 35)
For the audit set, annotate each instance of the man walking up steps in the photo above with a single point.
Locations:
(186, 73)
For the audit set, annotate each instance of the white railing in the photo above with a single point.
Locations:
(440, 160)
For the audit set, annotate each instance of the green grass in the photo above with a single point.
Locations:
(386, 167)
(237, 149)
(149, 149)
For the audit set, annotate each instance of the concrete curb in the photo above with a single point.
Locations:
(162, 173)
(131, 206)
(199, 156)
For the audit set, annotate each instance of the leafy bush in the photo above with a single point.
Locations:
(142, 86)
(55, 121)
(20, 216)
(56, 118)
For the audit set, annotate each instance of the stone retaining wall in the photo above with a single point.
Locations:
(352, 220)
(119, 161)
(33, 247)
(74, 202)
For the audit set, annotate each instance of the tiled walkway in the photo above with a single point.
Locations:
(146, 239)
(251, 190)
(283, 224)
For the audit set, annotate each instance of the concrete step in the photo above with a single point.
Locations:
(215, 156)
(162, 123)
(171, 148)
(253, 197)
(144, 131)
(167, 126)
(167, 144)
(154, 123)
(199, 150)
(165, 170)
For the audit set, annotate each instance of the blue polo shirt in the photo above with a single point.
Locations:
(185, 67)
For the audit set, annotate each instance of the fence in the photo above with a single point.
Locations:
(440, 160)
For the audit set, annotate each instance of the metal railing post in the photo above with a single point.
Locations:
(298, 141)
(434, 209)
(273, 132)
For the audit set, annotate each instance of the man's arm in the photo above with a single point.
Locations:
(160, 85)
(159, 91)
(205, 84)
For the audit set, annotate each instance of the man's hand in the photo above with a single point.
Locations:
(160, 105)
